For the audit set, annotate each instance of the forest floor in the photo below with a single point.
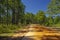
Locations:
(36, 32)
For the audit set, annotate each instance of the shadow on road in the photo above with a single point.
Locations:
(17, 38)
(28, 38)
(51, 38)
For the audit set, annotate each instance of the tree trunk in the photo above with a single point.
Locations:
(13, 16)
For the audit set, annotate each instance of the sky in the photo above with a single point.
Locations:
(33, 6)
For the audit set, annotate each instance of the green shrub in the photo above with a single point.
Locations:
(8, 28)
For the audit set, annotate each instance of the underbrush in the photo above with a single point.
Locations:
(57, 25)
(9, 28)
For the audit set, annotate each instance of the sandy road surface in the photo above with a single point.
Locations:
(35, 32)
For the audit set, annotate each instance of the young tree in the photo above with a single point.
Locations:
(40, 17)
(29, 18)
(57, 19)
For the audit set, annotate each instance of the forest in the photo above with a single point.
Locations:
(14, 17)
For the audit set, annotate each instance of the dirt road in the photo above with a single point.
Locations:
(37, 32)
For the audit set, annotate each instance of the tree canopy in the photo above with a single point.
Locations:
(54, 7)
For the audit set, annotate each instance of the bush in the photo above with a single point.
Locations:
(8, 28)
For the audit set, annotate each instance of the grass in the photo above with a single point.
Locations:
(8, 30)
(7, 34)
(56, 25)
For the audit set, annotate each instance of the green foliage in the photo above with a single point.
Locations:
(13, 9)
(29, 18)
(53, 10)
(40, 17)
(54, 7)
(56, 25)
(57, 19)
(8, 28)
(50, 21)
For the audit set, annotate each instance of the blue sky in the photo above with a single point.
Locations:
(34, 6)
